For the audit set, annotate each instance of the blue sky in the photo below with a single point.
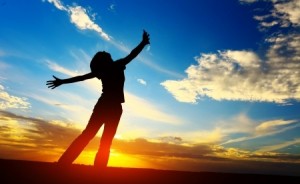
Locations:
(221, 78)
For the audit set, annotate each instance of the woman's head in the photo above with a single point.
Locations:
(100, 61)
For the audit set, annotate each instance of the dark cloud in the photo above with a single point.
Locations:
(278, 156)
(170, 139)
(161, 149)
(35, 136)
(38, 128)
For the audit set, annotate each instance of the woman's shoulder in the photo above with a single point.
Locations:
(119, 64)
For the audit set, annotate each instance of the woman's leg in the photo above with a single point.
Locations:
(83, 139)
(110, 129)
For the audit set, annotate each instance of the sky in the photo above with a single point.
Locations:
(218, 88)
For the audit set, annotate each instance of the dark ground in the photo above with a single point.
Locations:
(30, 172)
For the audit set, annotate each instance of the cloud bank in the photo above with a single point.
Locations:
(38, 139)
(11, 101)
(244, 75)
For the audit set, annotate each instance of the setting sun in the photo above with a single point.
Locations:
(116, 160)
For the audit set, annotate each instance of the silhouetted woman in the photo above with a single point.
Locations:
(108, 109)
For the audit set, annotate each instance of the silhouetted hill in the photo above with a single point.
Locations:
(17, 171)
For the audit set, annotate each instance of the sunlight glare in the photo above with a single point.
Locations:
(116, 159)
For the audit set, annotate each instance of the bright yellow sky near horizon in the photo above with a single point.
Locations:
(116, 159)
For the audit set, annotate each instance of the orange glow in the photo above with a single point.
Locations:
(86, 158)
(116, 159)
(123, 160)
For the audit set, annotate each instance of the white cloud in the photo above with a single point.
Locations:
(242, 74)
(237, 75)
(283, 13)
(82, 20)
(248, 1)
(142, 81)
(58, 4)
(271, 127)
(269, 24)
(278, 146)
(290, 11)
(80, 17)
(112, 7)
(10, 101)
(240, 124)
(203, 136)
(266, 128)
(57, 68)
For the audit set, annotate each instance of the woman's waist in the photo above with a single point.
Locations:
(112, 98)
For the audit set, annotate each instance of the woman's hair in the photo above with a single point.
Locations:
(99, 61)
